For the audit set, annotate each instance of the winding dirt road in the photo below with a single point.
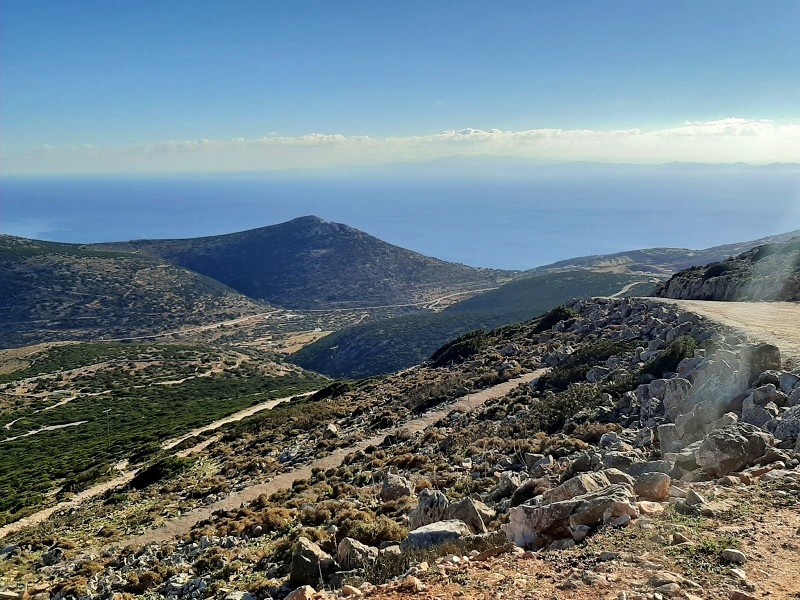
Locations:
(775, 323)
(183, 524)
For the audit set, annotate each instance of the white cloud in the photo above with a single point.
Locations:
(731, 139)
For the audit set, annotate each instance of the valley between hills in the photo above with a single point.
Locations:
(304, 406)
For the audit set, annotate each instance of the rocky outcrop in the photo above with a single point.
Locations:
(395, 487)
(732, 448)
(434, 534)
(539, 525)
(431, 507)
(768, 272)
(310, 563)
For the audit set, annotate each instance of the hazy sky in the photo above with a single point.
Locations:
(104, 86)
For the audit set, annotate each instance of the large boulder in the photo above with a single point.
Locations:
(760, 358)
(652, 486)
(731, 448)
(352, 554)
(395, 487)
(672, 394)
(434, 534)
(431, 507)
(309, 562)
(539, 525)
(472, 512)
(577, 486)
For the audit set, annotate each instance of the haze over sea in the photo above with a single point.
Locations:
(482, 212)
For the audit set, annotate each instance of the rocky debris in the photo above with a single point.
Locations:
(474, 513)
(304, 592)
(434, 534)
(330, 432)
(788, 428)
(538, 525)
(431, 507)
(310, 563)
(732, 448)
(352, 554)
(395, 487)
(653, 486)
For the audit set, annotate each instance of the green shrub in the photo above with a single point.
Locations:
(667, 361)
(162, 469)
(551, 317)
(717, 270)
(460, 349)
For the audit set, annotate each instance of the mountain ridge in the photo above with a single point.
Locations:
(314, 264)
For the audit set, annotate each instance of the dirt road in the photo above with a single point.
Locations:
(182, 525)
(127, 475)
(775, 323)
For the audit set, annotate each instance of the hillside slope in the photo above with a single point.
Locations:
(54, 291)
(661, 261)
(767, 272)
(312, 263)
(651, 460)
(380, 347)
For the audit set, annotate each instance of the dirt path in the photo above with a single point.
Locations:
(43, 430)
(125, 477)
(628, 287)
(775, 323)
(183, 524)
(238, 416)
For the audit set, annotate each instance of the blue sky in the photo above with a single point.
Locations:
(109, 85)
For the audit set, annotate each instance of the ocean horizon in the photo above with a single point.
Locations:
(501, 219)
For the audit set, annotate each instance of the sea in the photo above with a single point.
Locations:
(507, 216)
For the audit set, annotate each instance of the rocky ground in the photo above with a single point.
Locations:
(657, 458)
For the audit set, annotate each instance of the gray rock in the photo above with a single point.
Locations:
(472, 512)
(577, 486)
(731, 448)
(539, 525)
(652, 466)
(395, 487)
(434, 534)
(788, 429)
(734, 556)
(52, 557)
(352, 554)
(617, 476)
(760, 358)
(309, 561)
(431, 507)
(788, 382)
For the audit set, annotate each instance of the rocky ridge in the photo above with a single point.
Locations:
(648, 417)
(767, 272)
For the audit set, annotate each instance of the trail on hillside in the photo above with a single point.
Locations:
(127, 475)
(775, 323)
(183, 524)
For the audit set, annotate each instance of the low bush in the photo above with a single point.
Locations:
(667, 361)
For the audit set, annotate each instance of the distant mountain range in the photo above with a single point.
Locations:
(660, 261)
